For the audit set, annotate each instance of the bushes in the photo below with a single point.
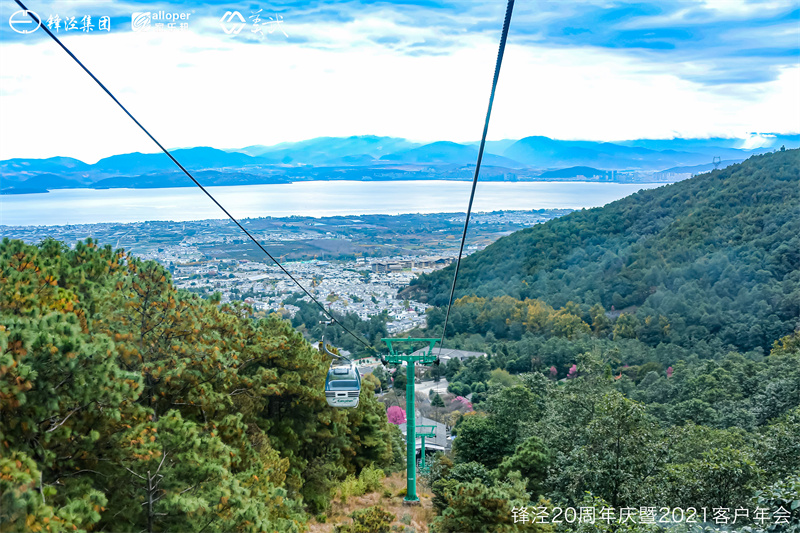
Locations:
(370, 520)
(351, 486)
(483, 440)
(459, 389)
(473, 506)
(531, 460)
(398, 443)
(370, 480)
(786, 495)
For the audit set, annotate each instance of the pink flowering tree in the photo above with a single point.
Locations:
(553, 372)
(669, 372)
(463, 401)
(573, 371)
(396, 415)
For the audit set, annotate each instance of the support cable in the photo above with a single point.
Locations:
(500, 52)
(322, 307)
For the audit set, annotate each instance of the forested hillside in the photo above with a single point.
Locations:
(715, 257)
(126, 405)
(691, 444)
(643, 355)
(581, 413)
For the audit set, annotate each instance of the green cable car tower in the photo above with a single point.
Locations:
(411, 428)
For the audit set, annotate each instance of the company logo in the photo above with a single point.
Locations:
(271, 24)
(232, 22)
(160, 21)
(21, 22)
(141, 21)
(84, 23)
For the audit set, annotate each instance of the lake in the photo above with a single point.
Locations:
(311, 198)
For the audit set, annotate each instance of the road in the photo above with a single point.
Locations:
(426, 386)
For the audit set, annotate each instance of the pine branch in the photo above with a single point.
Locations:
(62, 422)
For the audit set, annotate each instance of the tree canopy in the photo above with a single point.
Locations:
(717, 256)
(128, 405)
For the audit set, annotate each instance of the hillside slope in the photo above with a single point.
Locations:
(110, 377)
(718, 255)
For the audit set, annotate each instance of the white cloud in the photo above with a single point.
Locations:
(209, 89)
(745, 9)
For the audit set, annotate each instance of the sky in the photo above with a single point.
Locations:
(417, 69)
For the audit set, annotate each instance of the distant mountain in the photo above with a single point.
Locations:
(356, 150)
(573, 172)
(207, 178)
(543, 152)
(711, 257)
(494, 147)
(51, 164)
(448, 153)
(722, 145)
(191, 158)
(14, 189)
(385, 158)
(696, 169)
(51, 181)
(36, 183)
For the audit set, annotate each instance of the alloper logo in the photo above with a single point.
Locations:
(141, 21)
(144, 20)
(165, 15)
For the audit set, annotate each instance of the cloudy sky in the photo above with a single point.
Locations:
(421, 70)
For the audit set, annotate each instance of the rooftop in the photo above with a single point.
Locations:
(439, 442)
(449, 353)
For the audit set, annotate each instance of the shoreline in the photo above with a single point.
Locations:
(11, 192)
(309, 198)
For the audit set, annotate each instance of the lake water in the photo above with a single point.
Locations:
(317, 198)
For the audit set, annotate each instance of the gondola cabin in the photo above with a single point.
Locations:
(343, 385)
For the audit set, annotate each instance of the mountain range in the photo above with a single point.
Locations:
(378, 158)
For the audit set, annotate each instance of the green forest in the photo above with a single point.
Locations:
(644, 354)
(718, 256)
(641, 356)
(128, 406)
(716, 433)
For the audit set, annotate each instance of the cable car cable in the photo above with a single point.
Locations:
(322, 307)
(503, 37)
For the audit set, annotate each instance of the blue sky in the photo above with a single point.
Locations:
(414, 69)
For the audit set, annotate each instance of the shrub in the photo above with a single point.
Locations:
(371, 479)
(369, 520)
(786, 495)
(459, 389)
(351, 486)
(529, 459)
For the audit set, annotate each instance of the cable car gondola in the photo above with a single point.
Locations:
(343, 382)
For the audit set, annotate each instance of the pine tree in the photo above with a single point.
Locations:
(437, 401)
(125, 401)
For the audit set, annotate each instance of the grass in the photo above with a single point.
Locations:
(415, 518)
